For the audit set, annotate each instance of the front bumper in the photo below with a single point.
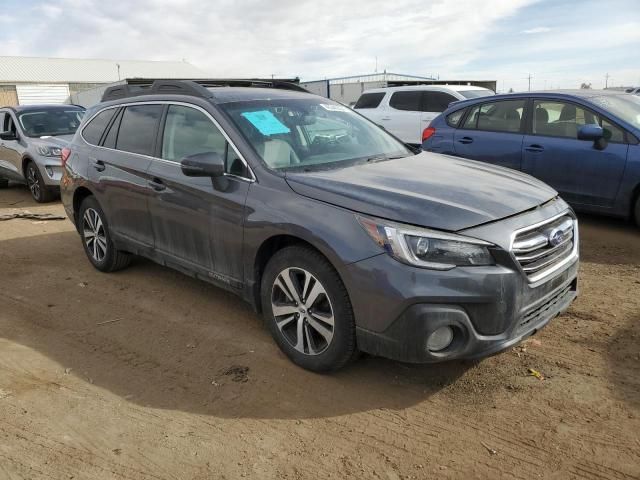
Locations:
(398, 307)
(51, 170)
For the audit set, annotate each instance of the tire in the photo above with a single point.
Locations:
(636, 211)
(40, 192)
(301, 325)
(96, 239)
(4, 183)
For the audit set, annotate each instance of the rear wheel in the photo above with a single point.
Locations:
(96, 239)
(307, 309)
(40, 192)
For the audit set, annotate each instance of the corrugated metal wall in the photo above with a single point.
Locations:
(39, 93)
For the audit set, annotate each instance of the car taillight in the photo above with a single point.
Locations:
(428, 133)
(64, 155)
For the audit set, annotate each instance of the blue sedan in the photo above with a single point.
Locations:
(584, 143)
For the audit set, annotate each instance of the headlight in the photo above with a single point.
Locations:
(426, 248)
(49, 151)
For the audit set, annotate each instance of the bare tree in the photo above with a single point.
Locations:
(585, 85)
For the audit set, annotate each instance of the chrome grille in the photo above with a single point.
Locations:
(541, 248)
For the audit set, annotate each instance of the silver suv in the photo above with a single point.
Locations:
(31, 139)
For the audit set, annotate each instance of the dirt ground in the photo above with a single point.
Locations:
(183, 382)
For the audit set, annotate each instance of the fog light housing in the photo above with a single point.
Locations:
(440, 339)
(49, 171)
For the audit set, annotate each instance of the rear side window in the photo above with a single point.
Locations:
(438, 101)
(410, 100)
(92, 133)
(138, 129)
(453, 119)
(369, 100)
(496, 116)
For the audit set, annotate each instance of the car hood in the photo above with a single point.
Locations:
(430, 190)
(57, 141)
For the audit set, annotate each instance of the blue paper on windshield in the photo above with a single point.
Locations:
(266, 122)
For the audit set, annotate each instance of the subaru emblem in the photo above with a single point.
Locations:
(556, 236)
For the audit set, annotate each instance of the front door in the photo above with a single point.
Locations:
(581, 173)
(10, 150)
(433, 104)
(492, 132)
(402, 118)
(198, 220)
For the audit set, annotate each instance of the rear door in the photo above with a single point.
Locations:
(581, 173)
(492, 132)
(433, 104)
(369, 105)
(198, 220)
(126, 139)
(403, 117)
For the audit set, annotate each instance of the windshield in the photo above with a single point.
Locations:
(625, 107)
(311, 133)
(50, 121)
(475, 93)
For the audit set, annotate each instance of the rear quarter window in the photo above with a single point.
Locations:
(92, 133)
(369, 100)
(453, 119)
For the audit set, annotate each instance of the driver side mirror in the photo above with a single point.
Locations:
(207, 164)
(591, 132)
(8, 135)
(594, 133)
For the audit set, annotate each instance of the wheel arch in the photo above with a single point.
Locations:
(79, 195)
(635, 195)
(25, 161)
(268, 248)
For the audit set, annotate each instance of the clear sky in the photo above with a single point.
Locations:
(560, 43)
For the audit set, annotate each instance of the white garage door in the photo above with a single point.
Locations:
(42, 93)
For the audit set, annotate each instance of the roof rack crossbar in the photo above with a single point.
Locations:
(195, 88)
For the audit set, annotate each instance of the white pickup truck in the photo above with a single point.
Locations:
(406, 111)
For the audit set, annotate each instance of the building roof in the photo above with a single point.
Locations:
(80, 70)
(371, 77)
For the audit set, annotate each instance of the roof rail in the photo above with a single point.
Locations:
(195, 88)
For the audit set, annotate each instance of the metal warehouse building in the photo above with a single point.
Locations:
(348, 89)
(32, 80)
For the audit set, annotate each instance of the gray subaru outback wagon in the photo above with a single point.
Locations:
(341, 236)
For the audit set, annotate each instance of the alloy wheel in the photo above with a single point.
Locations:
(94, 234)
(32, 181)
(302, 311)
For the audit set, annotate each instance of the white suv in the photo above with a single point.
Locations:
(406, 111)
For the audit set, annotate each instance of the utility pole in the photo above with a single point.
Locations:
(529, 78)
(606, 80)
(118, 65)
(376, 70)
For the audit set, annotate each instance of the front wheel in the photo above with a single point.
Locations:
(307, 309)
(40, 192)
(96, 238)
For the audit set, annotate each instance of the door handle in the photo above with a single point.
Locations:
(385, 118)
(157, 184)
(98, 164)
(534, 148)
(466, 140)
